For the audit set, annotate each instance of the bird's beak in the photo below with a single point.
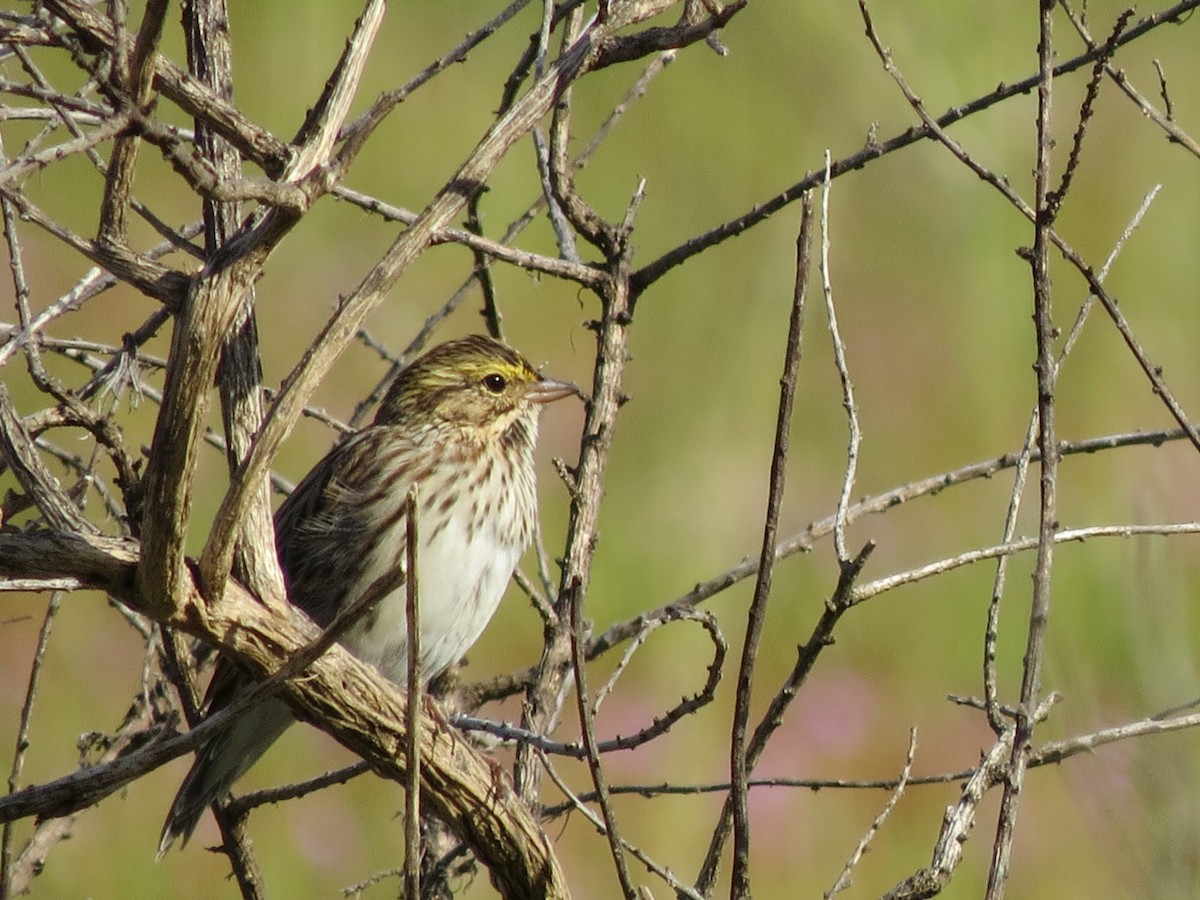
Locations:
(547, 390)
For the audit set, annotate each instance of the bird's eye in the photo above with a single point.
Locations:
(495, 382)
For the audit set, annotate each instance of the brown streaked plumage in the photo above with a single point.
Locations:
(460, 422)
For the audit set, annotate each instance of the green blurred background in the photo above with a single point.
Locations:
(934, 305)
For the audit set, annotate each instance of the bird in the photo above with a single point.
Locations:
(460, 424)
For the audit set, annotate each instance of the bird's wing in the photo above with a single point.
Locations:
(323, 534)
(326, 529)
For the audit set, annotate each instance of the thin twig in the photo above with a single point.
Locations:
(992, 628)
(1086, 109)
(7, 886)
(1046, 370)
(135, 87)
(575, 802)
(806, 658)
(412, 749)
(739, 764)
(843, 880)
(587, 726)
(661, 724)
(241, 805)
(482, 273)
(843, 370)
(1011, 548)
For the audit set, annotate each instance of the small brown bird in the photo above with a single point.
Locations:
(460, 423)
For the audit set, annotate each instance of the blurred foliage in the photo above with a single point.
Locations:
(935, 308)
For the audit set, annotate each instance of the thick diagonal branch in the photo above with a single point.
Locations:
(341, 695)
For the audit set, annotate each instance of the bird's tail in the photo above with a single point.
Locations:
(219, 763)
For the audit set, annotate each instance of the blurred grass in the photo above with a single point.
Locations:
(935, 307)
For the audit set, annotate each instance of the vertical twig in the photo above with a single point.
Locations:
(239, 375)
(37, 371)
(7, 888)
(560, 125)
(843, 370)
(482, 273)
(834, 608)
(545, 694)
(412, 748)
(1045, 205)
(16, 266)
(991, 632)
(569, 212)
(137, 88)
(739, 770)
(587, 723)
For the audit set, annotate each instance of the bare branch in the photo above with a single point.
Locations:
(135, 86)
(412, 723)
(843, 880)
(587, 724)
(739, 765)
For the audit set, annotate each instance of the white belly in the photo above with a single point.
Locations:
(462, 577)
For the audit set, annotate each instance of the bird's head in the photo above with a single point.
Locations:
(474, 382)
